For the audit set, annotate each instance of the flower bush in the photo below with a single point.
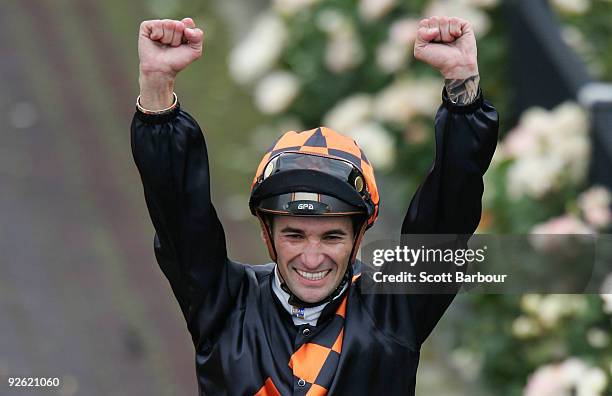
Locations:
(348, 65)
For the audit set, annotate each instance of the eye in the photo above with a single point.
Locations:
(294, 236)
(332, 238)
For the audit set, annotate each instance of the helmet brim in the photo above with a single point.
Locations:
(272, 194)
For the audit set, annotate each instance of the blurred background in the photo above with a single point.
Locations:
(81, 296)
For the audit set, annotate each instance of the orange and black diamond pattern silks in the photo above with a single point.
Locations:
(329, 143)
(315, 362)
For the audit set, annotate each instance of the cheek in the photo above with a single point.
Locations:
(338, 252)
(286, 251)
(341, 253)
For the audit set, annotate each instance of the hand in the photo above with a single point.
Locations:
(165, 47)
(448, 45)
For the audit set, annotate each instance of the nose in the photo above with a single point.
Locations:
(312, 256)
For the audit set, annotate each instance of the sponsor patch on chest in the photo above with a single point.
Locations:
(297, 312)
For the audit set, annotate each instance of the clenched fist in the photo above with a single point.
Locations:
(165, 47)
(448, 45)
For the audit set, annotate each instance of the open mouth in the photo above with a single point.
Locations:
(313, 276)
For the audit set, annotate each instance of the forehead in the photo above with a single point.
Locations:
(313, 224)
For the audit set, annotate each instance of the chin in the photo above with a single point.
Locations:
(313, 297)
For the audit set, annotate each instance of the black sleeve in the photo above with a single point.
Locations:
(171, 156)
(447, 202)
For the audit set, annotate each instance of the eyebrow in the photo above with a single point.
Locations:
(292, 230)
(336, 231)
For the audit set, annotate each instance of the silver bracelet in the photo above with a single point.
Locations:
(157, 112)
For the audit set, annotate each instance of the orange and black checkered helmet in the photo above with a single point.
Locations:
(318, 172)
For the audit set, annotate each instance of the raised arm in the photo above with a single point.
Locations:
(165, 48)
(171, 156)
(449, 200)
(466, 126)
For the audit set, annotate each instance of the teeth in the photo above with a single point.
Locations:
(312, 275)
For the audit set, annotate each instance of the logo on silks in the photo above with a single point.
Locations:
(297, 312)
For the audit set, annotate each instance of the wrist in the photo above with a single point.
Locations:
(164, 111)
(459, 72)
(462, 91)
(156, 90)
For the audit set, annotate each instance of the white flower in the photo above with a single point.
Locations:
(606, 293)
(333, 22)
(538, 120)
(260, 50)
(371, 10)
(574, 152)
(598, 338)
(573, 368)
(554, 307)
(551, 149)
(569, 119)
(391, 56)
(404, 31)
(595, 205)
(275, 92)
(478, 19)
(573, 37)
(343, 52)
(520, 141)
(534, 176)
(565, 224)
(377, 144)
(530, 303)
(607, 299)
(547, 381)
(562, 131)
(551, 310)
(402, 100)
(553, 234)
(592, 382)
(571, 377)
(571, 6)
(291, 7)
(349, 113)
(525, 327)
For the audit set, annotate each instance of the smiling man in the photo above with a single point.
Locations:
(313, 254)
(301, 325)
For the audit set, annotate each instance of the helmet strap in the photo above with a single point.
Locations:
(357, 242)
(267, 232)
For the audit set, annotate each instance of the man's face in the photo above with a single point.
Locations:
(312, 253)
